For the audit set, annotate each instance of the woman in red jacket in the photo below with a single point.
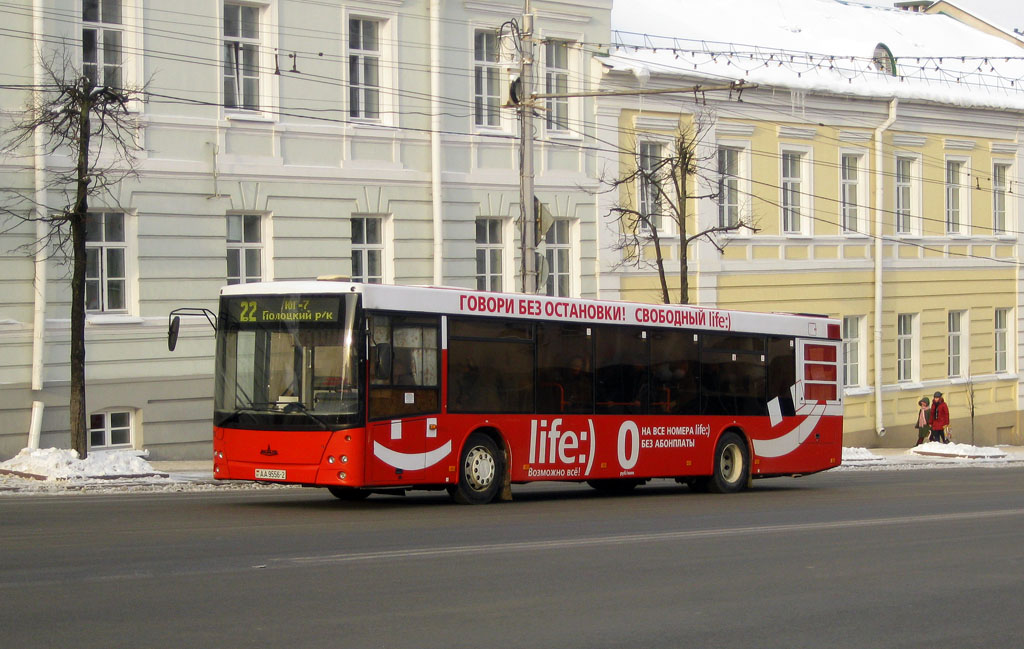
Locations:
(940, 419)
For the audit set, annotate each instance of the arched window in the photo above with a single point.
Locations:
(884, 60)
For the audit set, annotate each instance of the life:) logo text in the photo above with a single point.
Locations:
(550, 445)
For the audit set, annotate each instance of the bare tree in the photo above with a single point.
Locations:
(92, 128)
(659, 188)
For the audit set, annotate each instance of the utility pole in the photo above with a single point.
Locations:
(528, 238)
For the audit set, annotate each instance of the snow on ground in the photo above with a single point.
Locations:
(60, 471)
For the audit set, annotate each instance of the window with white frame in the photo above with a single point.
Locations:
(852, 332)
(728, 186)
(1002, 339)
(955, 197)
(103, 42)
(489, 254)
(106, 262)
(364, 54)
(905, 192)
(241, 56)
(486, 79)
(368, 249)
(110, 429)
(557, 256)
(1000, 188)
(651, 163)
(955, 336)
(556, 80)
(906, 326)
(850, 193)
(792, 192)
(245, 248)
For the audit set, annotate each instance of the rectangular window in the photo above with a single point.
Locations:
(1000, 344)
(241, 56)
(728, 187)
(557, 258)
(364, 68)
(404, 360)
(245, 248)
(1000, 175)
(102, 42)
(489, 250)
(368, 249)
(556, 80)
(791, 192)
(565, 368)
(110, 429)
(955, 338)
(486, 75)
(490, 366)
(904, 195)
(905, 347)
(849, 192)
(954, 196)
(650, 185)
(851, 351)
(106, 252)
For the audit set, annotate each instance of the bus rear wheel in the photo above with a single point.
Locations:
(349, 494)
(481, 471)
(732, 469)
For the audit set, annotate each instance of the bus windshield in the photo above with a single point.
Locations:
(289, 362)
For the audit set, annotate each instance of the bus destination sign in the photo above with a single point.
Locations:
(266, 309)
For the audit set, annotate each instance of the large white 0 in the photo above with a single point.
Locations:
(629, 428)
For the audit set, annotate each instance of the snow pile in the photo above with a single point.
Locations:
(957, 450)
(857, 454)
(64, 464)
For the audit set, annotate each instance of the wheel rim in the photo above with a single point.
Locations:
(480, 468)
(731, 464)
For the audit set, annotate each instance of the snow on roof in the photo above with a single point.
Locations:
(819, 45)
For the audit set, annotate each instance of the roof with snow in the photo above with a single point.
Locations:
(832, 46)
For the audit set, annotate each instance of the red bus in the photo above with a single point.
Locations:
(364, 388)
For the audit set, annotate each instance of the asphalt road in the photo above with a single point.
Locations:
(847, 559)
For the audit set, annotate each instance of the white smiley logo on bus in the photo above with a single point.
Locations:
(411, 461)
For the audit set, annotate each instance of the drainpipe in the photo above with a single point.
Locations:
(879, 250)
(435, 139)
(39, 282)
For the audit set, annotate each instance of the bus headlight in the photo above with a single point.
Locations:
(342, 475)
(344, 459)
(330, 459)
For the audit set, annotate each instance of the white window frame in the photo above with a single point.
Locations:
(1002, 343)
(957, 336)
(486, 100)
(957, 204)
(107, 429)
(383, 247)
(803, 191)
(907, 189)
(102, 276)
(387, 54)
(558, 256)
(853, 195)
(1003, 192)
(907, 347)
(552, 82)
(105, 28)
(491, 279)
(245, 248)
(854, 351)
(649, 202)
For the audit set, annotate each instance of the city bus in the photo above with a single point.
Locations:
(368, 388)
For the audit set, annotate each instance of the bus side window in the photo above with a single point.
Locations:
(404, 359)
(565, 373)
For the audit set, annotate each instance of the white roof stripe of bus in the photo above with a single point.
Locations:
(454, 301)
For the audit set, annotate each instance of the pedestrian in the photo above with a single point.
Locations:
(924, 419)
(940, 418)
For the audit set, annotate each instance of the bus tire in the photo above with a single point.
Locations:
(349, 494)
(732, 466)
(481, 471)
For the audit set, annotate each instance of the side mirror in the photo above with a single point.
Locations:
(172, 333)
(382, 364)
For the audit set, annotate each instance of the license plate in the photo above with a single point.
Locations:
(271, 474)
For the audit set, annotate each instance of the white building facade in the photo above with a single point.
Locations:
(283, 139)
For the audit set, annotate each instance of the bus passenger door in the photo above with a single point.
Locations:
(399, 447)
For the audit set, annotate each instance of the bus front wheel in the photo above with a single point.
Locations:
(732, 468)
(481, 469)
